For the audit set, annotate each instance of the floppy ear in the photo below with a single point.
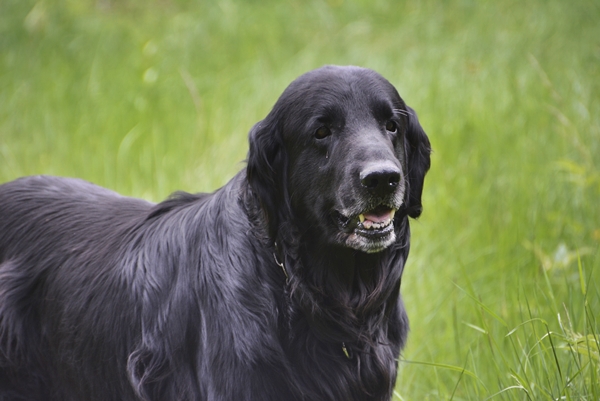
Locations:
(418, 150)
(266, 171)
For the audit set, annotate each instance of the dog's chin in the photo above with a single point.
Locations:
(370, 244)
(371, 231)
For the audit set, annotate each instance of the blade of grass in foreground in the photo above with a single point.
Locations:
(447, 367)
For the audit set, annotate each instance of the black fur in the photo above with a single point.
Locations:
(104, 297)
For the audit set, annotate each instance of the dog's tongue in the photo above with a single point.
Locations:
(379, 215)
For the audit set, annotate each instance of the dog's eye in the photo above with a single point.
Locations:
(322, 132)
(391, 126)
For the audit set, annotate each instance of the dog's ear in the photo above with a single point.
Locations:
(265, 171)
(418, 150)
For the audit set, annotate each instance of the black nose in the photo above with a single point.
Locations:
(380, 180)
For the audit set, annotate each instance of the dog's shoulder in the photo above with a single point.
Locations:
(176, 201)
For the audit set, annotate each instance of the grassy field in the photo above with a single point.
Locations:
(502, 285)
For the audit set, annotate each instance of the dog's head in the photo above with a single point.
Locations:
(342, 155)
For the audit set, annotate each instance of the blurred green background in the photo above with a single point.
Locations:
(149, 97)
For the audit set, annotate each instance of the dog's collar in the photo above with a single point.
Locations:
(287, 281)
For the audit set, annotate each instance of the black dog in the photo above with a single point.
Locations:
(282, 285)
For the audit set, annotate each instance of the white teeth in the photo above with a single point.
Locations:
(368, 224)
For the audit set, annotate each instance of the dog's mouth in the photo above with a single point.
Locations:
(371, 230)
(376, 222)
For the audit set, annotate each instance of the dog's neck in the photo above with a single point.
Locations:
(344, 304)
(345, 295)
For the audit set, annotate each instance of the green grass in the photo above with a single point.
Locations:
(147, 97)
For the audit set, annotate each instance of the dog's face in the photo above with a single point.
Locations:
(347, 155)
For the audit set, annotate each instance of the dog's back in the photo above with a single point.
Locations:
(56, 204)
(47, 221)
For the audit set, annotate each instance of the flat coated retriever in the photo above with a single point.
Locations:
(283, 285)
